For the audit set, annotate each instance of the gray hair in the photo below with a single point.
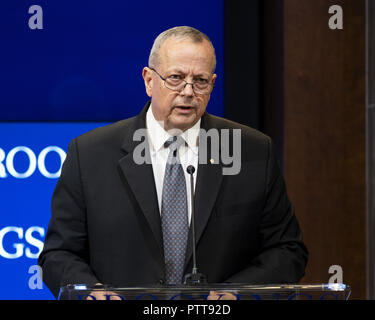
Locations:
(183, 32)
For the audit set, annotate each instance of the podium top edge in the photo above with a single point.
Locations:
(214, 286)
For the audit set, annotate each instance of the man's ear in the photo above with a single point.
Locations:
(213, 79)
(214, 76)
(147, 77)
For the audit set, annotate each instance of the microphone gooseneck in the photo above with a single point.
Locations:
(194, 277)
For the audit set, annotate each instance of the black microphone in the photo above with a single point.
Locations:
(194, 277)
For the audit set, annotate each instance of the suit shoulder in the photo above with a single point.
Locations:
(247, 133)
(112, 134)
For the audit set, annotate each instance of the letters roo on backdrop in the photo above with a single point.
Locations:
(34, 162)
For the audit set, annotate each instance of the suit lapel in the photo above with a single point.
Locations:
(140, 177)
(209, 177)
(141, 180)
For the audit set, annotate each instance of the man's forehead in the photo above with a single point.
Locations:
(174, 50)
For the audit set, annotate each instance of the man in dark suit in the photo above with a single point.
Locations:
(110, 210)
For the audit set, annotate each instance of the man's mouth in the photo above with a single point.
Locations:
(184, 108)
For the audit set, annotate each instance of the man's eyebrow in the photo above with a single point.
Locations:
(178, 70)
(203, 75)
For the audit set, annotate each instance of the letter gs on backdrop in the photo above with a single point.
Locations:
(21, 247)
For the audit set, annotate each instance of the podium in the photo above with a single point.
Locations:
(330, 291)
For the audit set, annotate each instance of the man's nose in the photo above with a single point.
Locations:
(188, 89)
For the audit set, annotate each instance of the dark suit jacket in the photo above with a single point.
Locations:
(106, 225)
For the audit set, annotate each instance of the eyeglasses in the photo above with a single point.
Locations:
(176, 82)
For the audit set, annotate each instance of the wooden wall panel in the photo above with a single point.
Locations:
(324, 128)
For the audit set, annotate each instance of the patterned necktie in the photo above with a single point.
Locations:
(174, 214)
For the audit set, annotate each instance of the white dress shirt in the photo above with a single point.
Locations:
(159, 154)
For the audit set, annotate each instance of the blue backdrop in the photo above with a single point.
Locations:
(82, 69)
(31, 155)
(86, 62)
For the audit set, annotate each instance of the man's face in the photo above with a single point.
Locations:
(180, 110)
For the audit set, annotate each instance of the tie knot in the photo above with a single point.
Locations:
(173, 143)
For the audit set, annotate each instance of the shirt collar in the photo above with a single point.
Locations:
(158, 136)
